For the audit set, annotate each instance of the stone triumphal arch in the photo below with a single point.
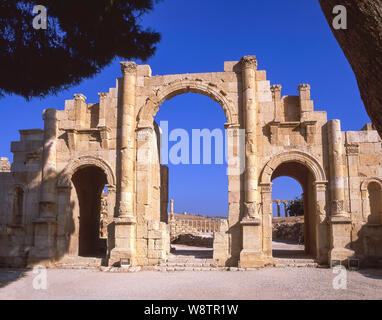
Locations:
(91, 182)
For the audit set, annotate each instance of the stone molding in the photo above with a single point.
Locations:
(64, 178)
(177, 87)
(293, 156)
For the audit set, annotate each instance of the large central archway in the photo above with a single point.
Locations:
(145, 128)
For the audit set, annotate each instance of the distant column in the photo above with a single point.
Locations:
(172, 208)
(286, 208)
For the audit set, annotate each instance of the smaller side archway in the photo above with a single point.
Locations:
(64, 178)
(371, 195)
(309, 173)
(17, 196)
(80, 187)
(293, 156)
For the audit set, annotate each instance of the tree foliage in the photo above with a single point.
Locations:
(361, 43)
(296, 207)
(82, 37)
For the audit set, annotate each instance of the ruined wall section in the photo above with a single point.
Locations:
(288, 122)
(287, 125)
(88, 129)
(363, 171)
(20, 192)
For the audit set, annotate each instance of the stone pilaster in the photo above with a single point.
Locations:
(45, 226)
(125, 221)
(266, 200)
(164, 174)
(103, 97)
(320, 188)
(339, 220)
(48, 179)
(80, 110)
(127, 136)
(336, 165)
(306, 105)
(276, 97)
(251, 254)
(249, 67)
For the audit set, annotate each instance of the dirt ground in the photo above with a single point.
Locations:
(266, 283)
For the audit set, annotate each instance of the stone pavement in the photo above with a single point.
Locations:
(265, 283)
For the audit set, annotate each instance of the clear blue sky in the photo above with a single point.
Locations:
(291, 40)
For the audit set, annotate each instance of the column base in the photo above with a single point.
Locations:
(117, 254)
(341, 238)
(124, 239)
(340, 254)
(44, 250)
(252, 259)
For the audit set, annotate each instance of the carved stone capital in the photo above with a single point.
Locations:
(128, 67)
(303, 86)
(276, 88)
(320, 186)
(248, 62)
(251, 209)
(79, 96)
(103, 94)
(5, 165)
(338, 206)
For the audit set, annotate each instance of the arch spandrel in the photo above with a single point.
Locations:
(64, 178)
(293, 156)
(177, 87)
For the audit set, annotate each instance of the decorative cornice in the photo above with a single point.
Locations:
(128, 67)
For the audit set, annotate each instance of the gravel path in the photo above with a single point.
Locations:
(266, 283)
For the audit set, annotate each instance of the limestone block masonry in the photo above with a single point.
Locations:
(51, 193)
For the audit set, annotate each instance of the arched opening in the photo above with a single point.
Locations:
(89, 183)
(302, 241)
(375, 202)
(18, 205)
(193, 136)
